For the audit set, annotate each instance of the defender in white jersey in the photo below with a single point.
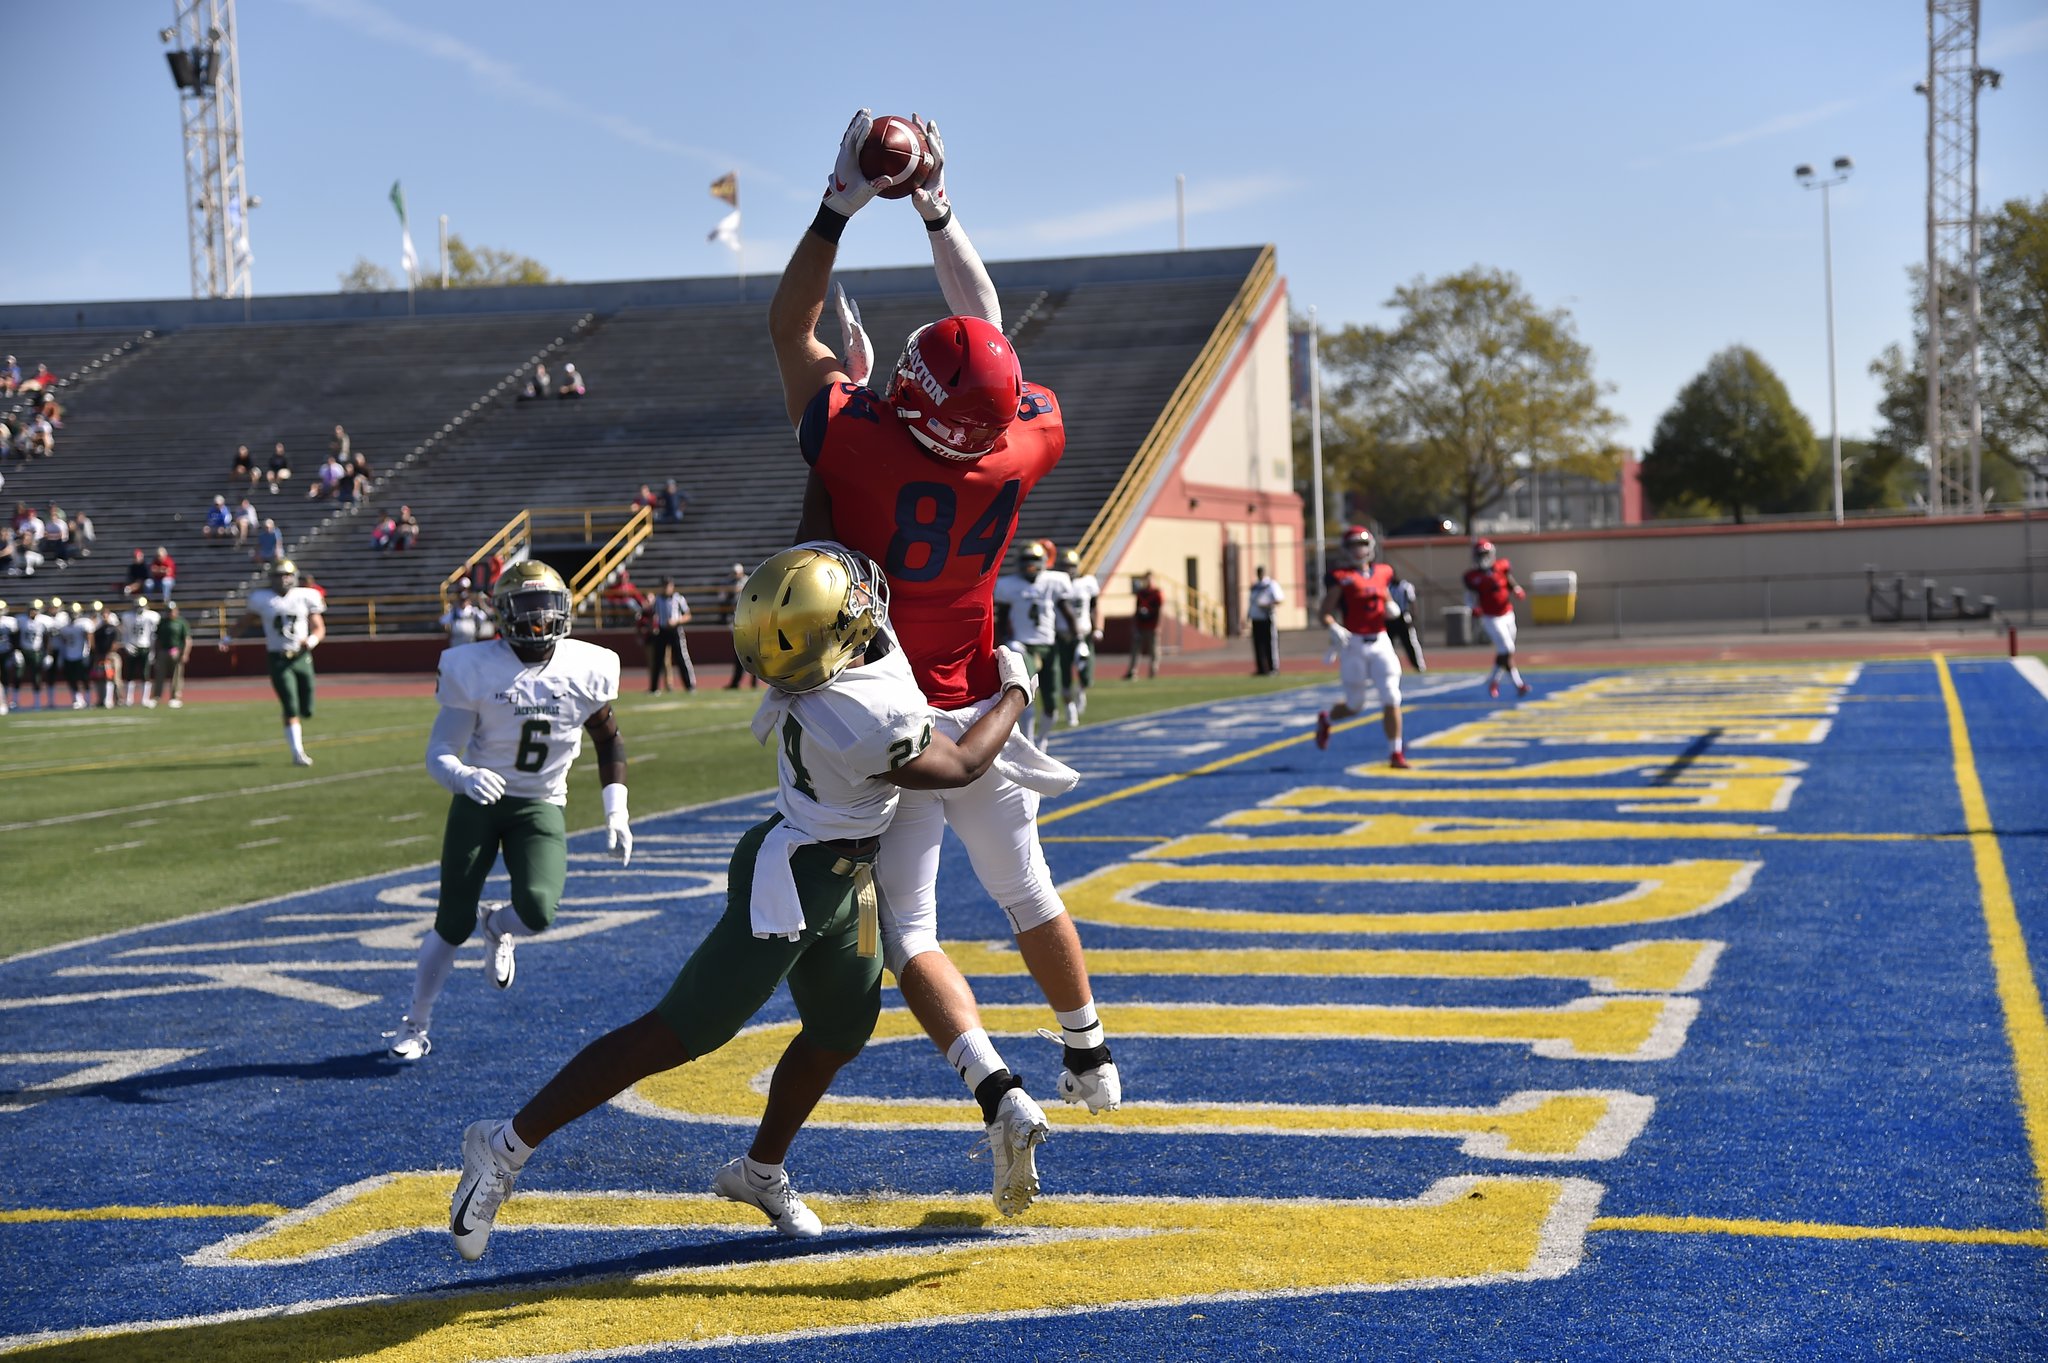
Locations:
(1078, 640)
(138, 637)
(1032, 604)
(513, 714)
(32, 635)
(74, 650)
(10, 660)
(294, 622)
(851, 728)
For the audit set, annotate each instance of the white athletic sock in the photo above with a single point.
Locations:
(148, 692)
(761, 1176)
(503, 922)
(506, 1145)
(974, 1056)
(294, 738)
(1080, 1029)
(1514, 674)
(1393, 747)
(437, 958)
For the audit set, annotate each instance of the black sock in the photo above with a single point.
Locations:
(989, 1092)
(1080, 1062)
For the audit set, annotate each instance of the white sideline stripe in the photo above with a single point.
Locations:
(2035, 672)
(202, 799)
(259, 842)
(119, 846)
(275, 818)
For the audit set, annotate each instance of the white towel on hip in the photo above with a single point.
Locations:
(1024, 763)
(776, 909)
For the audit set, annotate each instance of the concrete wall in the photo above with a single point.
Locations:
(1744, 576)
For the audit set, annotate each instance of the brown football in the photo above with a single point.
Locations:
(894, 146)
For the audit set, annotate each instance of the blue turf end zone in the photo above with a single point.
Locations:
(1828, 1156)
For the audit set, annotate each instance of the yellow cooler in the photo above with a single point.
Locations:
(1553, 597)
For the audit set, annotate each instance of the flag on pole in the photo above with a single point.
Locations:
(727, 187)
(728, 230)
(408, 259)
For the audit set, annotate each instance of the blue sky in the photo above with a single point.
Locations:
(1630, 161)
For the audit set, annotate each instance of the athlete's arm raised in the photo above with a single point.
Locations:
(806, 363)
(962, 277)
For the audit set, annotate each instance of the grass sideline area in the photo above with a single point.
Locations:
(126, 817)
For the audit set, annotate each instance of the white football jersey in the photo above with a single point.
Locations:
(836, 742)
(529, 716)
(287, 616)
(1033, 604)
(74, 641)
(1081, 593)
(34, 631)
(138, 629)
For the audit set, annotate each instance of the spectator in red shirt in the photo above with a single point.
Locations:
(644, 497)
(1149, 604)
(163, 573)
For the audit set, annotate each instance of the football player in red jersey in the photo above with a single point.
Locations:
(1357, 601)
(925, 473)
(1491, 591)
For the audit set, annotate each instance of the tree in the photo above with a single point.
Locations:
(1733, 439)
(468, 268)
(1451, 406)
(2012, 275)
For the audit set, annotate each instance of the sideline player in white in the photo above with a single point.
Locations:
(32, 635)
(74, 650)
(1363, 593)
(138, 637)
(851, 728)
(514, 710)
(1032, 604)
(10, 659)
(293, 623)
(1080, 635)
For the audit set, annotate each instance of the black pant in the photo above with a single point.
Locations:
(667, 644)
(1265, 647)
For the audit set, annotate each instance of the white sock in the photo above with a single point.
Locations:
(761, 1176)
(1393, 747)
(1493, 677)
(1514, 674)
(1080, 1029)
(148, 692)
(504, 922)
(506, 1145)
(437, 958)
(295, 738)
(974, 1056)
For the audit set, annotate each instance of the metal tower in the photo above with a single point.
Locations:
(207, 70)
(1955, 426)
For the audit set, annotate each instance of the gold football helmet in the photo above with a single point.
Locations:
(808, 614)
(284, 575)
(533, 609)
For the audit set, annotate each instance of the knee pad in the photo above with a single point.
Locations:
(1032, 904)
(901, 948)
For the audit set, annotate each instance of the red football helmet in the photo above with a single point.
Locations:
(1358, 543)
(957, 387)
(1482, 553)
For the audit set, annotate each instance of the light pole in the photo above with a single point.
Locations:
(1804, 174)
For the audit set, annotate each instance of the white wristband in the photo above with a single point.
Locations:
(614, 796)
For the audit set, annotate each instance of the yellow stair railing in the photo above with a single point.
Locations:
(514, 538)
(1180, 410)
(613, 556)
(538, 525)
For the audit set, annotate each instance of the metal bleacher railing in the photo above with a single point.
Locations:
(579, 525)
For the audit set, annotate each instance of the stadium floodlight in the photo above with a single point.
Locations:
(206, 70)
(1808, 180)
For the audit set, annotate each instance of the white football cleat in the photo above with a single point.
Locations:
(483, 1188)
(412, 1043)
(779, 1201)
(1073, 713)
(300, 759)
(177, 704)
(1012, 1142)
(503, 966)
(1099, 1088)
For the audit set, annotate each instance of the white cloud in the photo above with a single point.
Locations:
(1128, 215)
(1772, 127)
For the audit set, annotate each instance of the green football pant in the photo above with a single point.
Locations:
(292, 679)
(1073, 667)
(1044, 660)
(532, 836)
(732, 974)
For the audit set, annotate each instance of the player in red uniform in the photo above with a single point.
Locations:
(1357, 601)
(1491, 591)
(925, 473)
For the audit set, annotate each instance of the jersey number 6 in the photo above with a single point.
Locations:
(925, 513)
(533, 746)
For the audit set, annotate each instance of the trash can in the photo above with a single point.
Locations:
(1553, 597)
(1457, 626)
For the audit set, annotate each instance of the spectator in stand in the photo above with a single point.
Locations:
(10, 558)
(338, 445)
(464, 621)
(355, 486)
(245, 468)
(6, 437)
(536, 386)
(671, 612)
(728, 607)
(220, 521)
(306, 581)
(385, 531)
(1149, 605)
(41, 382)
(27, 523)
(48, 406)
(408, 532)
(280, 470)
(269, 543)
(38, 439)
(138, 577)
(10, 376)
(674, 502)
(57, 541)
(163, 572)
(644, 497)
(572, 382)
(245, 522)
(327, 483)
(83, 535)
(167, 656)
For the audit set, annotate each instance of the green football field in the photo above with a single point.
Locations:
(116, 818)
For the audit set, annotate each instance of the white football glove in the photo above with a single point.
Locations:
(859, 355)
(930, 197)
(847, 191)
(1015, 670)
(618, 834)
(482, 785)
(1339, 636)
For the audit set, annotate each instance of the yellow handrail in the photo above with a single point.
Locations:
(607, 560)
(1173, 422)
(515, 535)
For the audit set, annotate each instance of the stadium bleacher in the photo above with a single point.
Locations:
(680, 386)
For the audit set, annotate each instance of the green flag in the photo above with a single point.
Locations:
(408, 259)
